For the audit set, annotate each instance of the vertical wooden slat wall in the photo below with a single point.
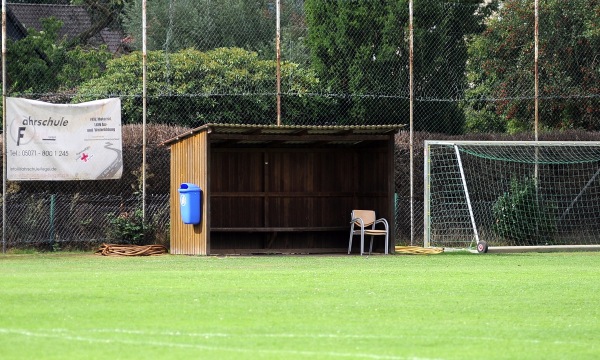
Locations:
(189, 164)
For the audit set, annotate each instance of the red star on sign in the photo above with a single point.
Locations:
(84, 157)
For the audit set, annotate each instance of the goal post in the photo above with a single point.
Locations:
(521, 194)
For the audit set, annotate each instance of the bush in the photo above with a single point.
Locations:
(130, 228)
(224, 85)
(522, 217)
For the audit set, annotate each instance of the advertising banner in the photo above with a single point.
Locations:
(63, 141)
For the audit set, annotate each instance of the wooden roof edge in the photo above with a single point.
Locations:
(301, 129)
(185, 135)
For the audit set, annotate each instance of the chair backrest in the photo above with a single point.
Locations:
(368, 216)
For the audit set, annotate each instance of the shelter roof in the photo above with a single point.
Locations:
(291, 134)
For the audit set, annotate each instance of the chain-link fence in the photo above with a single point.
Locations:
(342, 63)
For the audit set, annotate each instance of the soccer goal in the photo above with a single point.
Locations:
(512, 194)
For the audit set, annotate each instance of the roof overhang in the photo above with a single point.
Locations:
(291, 135)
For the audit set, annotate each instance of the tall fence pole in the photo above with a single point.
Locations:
(278, 50)
(3, 126)
(144, 108)
(535, 66)
(411, 100)
(536, 97)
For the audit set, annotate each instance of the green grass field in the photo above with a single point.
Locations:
(448, 306)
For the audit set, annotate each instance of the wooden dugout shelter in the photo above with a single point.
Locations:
(280, 189)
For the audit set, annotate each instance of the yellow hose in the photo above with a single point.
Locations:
(417, 250)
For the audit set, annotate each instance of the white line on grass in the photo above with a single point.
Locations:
(159, 333)
(214, 335)
(329, 336)
(63, 335)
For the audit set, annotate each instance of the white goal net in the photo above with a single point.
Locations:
(511, 193)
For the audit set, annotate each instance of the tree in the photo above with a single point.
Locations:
(360, 50)
(501, 68)
(202, 24)
(173, 25)
(58, 2)
(103, 13)
(40, 63)
(293, 34)
(31, 61)
(224, 85)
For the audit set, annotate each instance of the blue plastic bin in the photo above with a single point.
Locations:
(190, 197)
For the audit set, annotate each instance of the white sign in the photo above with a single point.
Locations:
(63, 141)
